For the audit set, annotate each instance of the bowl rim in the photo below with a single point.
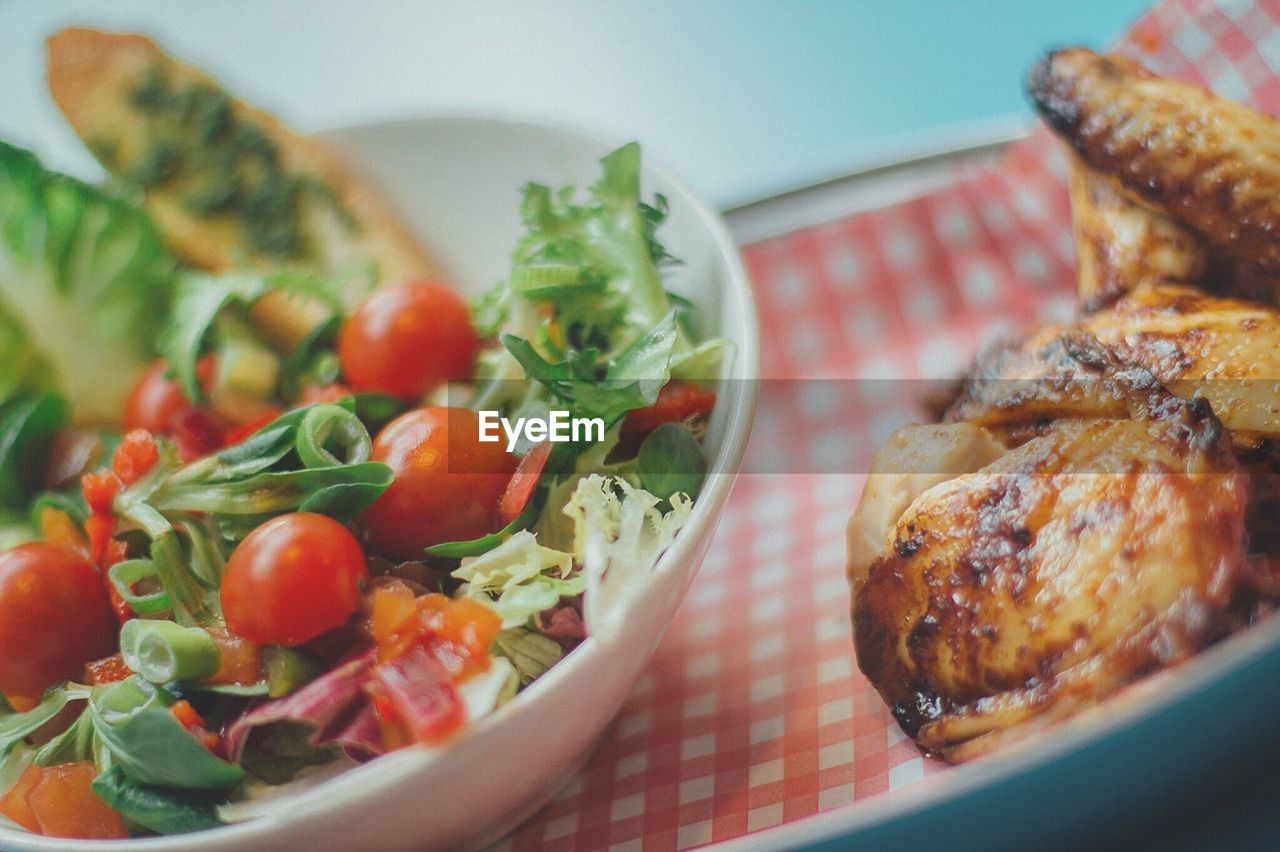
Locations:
(365, 783)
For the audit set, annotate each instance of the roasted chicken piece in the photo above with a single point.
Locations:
(1069, 567)
(1226, 351)
(1122, 243)
(1211, 163)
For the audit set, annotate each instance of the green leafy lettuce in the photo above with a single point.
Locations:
(84, 285)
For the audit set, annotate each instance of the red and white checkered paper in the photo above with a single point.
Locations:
(753, 712)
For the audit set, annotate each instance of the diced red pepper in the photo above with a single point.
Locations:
(100, 488)
(99, 529)
(677, 402)
(136, 455)
(194, 723)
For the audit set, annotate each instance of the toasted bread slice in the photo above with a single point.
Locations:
(229, 184)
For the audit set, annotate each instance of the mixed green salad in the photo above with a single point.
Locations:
(251, 534)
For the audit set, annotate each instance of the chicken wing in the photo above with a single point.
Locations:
(1224, 350)
(1212, 164)
(1051, 578)
(1122, 243)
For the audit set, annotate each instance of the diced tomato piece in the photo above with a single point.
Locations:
(194, 723)
(186, 714)
(14, 804)
(100, 488)
(523, 482)
(241, 659)
(239, 433)
(677, 402)
(66, 806)
(136, 455)
(421, 696)
(57, 527)
(313, 394)
(394, 621)
(459, 633)
(107, 670)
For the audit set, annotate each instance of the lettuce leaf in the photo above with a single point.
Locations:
(584, 300)
(619, 534)
(519, 578)
(84, 285)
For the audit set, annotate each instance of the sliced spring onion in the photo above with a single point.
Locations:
(325, 426)
(124, 575)
(163, 651)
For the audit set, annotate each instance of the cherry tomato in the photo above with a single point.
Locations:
(54, 617)
(155, 401)
(677, 401)
(523, 482)
(291, 579)
(447, 483)
(408, 339)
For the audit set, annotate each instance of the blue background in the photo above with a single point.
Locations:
(741, 99)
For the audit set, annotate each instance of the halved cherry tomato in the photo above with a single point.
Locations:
(677, 401)
(523, 482)
(54, 617)
(65, 805)
(407, 339)
(447, 482)
(293, 578)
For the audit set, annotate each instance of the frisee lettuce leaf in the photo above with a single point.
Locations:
(620, 532)
(585, 294)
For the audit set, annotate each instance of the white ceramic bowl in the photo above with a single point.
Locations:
(457, 181)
